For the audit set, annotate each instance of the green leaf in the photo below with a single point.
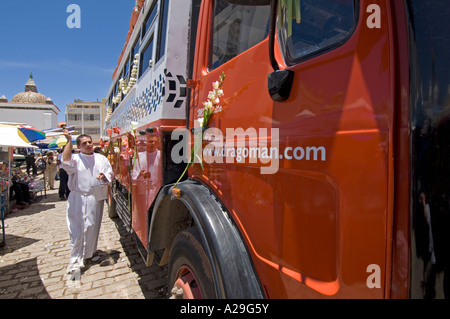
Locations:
(200, 160)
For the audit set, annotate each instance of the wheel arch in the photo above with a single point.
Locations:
(226, 250)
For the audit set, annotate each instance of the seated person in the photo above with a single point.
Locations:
(21, 192)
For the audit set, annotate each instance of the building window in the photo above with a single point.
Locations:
(74, 117)
(91, 117)
(92, 130)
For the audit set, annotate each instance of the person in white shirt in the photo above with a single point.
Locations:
(84, 212)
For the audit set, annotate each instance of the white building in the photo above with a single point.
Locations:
(30, 107)
(86, 117)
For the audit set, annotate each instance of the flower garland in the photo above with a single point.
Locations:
(210, 107)
(289, 10)
(126, 85)
(130, 154)
(108, 145)
(134, 127)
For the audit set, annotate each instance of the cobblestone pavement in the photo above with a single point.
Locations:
(34, 260)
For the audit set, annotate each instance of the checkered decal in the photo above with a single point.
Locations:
(173, 94)
(177, 90)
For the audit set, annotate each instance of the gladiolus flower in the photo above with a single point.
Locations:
(208, 105)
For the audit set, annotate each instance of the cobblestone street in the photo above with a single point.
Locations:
(34, 260)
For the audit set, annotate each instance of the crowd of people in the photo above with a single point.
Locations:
(49, 165)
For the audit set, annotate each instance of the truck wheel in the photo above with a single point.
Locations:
(190, 273)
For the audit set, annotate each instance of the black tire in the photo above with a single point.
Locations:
(188, 252)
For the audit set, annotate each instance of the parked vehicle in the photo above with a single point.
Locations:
(323, 173)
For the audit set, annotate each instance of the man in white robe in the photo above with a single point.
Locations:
(84, 212)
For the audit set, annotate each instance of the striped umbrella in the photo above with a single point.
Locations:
(60, 142)
(30, 134)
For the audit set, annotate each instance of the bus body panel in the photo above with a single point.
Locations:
(157, 101)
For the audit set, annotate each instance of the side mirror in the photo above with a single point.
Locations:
(280, 84)
(280, 81)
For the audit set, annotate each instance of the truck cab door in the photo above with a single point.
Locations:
(337, 76)
(315, 225)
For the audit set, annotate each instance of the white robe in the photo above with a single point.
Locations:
(84, 213)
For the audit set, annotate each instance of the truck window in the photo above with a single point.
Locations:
(236, 28)
(149, 19)
(162, 34)
(146, 56)
(310, 27)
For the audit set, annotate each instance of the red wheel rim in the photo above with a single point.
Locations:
(186, 285)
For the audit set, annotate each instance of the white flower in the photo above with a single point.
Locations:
(208, 105)
(218, 109)
(216, 85)
(134, 125)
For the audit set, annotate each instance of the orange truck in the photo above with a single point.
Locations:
(286, 148)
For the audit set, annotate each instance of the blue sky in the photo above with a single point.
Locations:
(66, 63)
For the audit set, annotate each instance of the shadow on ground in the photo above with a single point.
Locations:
(22, 281)
(39, 205)
(13, 243)
(153, 279)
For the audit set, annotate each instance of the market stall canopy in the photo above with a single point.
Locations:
(9, 137)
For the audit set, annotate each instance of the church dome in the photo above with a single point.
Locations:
(29, 97)
(31, 94)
